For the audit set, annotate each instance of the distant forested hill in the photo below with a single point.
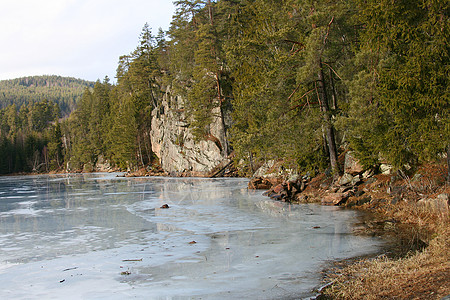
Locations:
(62, 90)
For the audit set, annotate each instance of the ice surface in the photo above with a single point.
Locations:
(97, 236)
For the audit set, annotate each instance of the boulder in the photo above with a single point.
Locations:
(345, 179)
(440, 204)
(258, 183)
(293, 178)
(265, 170)
(274, 170)
(335, 198)
(352, 165)
(102, 165)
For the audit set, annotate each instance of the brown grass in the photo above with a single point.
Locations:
(404, 208)
(419, 275)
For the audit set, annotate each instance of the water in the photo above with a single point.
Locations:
(97, 236)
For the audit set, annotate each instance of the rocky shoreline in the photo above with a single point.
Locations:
(410, 209)
(411, 212)
(357, 187)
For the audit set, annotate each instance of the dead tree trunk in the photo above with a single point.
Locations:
(329, 129)
(448, 164)
(334, 105)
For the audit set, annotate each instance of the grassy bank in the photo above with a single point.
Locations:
(423, 272)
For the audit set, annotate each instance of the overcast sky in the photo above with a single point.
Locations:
(76, 38)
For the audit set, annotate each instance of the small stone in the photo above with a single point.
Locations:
(356, 180)
(294, 178)
(386, 169)
(334, 198)
(368, 173)
(345, 179)
(443, 197)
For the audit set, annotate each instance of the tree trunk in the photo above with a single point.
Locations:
(329, 129)
(141, 156)
(448, 164)
(334, 105)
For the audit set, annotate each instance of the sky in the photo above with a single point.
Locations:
(76, 38)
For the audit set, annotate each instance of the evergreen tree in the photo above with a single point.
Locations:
(55, 147)
(81, 148)
(403, 88)
(286, 58)
(123, 134)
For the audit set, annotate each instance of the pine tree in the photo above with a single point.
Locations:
(55, 147)
(81, 148)
(123, 134)
(285, 60)
(404, 87)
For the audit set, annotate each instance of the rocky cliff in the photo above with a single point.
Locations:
(174, 144)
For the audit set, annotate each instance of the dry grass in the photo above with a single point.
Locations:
(406, 209)
(420, 275)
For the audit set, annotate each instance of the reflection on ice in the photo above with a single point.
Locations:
(99, 236)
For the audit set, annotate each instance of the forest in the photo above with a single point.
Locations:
(301, 80)
(65, 91)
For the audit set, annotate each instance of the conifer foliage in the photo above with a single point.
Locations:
(294, 80)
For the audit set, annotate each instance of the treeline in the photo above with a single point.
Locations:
(30, 138)
(113, 122)
(302, 81)
(65, 91)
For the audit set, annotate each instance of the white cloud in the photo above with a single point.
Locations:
(79, 38)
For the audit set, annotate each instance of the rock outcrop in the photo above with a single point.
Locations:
(174, 144)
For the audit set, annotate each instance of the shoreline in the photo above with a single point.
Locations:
(415, 262)
(411, 214)
(208, 241)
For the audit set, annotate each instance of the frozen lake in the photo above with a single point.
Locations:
(96, 236)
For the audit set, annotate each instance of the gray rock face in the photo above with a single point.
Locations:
(174, 144)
